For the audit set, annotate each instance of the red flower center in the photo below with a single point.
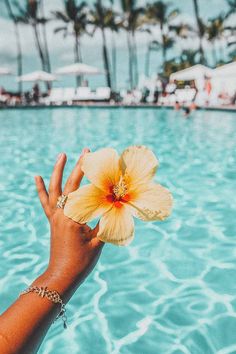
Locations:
(117, 201)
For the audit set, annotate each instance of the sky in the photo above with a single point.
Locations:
(61, 49)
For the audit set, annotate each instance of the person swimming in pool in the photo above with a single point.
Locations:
(74, 251)
(187, 112)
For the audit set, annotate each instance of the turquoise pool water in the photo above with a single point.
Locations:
(173, 289)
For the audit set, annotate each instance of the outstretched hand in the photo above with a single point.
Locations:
(74, 248)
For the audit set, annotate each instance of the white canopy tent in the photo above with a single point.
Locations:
(224, 78)
(37, 76)
(78, 69)
(196, 72)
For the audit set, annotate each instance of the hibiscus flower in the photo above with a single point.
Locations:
(121, 187)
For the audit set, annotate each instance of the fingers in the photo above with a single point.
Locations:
(95, 242)
(95, 230)
(76, 175)
(43, 195)
(55, 189)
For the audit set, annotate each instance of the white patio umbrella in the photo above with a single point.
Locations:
(78, 69)
(37, 76)
(5, 71)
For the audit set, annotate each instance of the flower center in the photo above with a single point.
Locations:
(118, 194)
(120, 189)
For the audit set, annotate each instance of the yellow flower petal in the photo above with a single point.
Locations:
(86, 203)
(139, 164)
(155, 203)
(117, 226)
(102, 168)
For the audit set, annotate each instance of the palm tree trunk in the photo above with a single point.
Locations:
(163, 49)
(214, 55)
(39, 46)
(130, 61)
(18, 44)
(114, 66)
(223, 54)
(147, 61)
(198, 20)
(135, 59)
(46, 50)
(40, 52)
(106, 59)
(77, 58)
(19, 57)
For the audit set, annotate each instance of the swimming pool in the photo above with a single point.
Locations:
(173, 289)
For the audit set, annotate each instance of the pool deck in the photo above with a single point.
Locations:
(231, 108)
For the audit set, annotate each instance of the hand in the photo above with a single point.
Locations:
(74, 248)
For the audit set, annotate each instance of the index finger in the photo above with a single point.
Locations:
(76, 175)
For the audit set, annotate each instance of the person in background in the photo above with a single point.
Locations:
(233, 99)
(145, 95)
(193, 106)
(157, 90)
(207, 89)
(208, 86)
(177, 106)
(156, 95)
(36, 93)
(187, 112)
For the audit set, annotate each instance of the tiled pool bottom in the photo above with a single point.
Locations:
(173, 289)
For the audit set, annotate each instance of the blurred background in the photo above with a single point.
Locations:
(156, 36)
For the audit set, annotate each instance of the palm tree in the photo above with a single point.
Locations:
(114, 23)
(201, 31)
(29, 15)
(160, 12)
(18, 42)
(100, 19)
(232, 7)
(45, 40)
(214, 30)
(165, 44)
(231, 30)
(147, 58)
(75, 15)
(188, 58)
(131, 23)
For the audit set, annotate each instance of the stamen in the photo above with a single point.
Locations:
(120, 189)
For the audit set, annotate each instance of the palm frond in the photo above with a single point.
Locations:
(59, 29)
(61, 16)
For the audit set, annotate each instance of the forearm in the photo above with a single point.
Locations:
(25, 323)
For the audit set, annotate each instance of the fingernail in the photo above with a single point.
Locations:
(59, 156)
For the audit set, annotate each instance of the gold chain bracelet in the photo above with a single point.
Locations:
(51, 295)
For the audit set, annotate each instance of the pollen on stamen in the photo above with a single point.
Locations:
(120, 189)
